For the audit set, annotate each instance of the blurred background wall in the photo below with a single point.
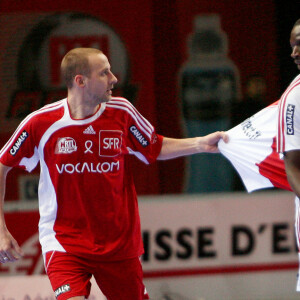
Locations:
(190, 67)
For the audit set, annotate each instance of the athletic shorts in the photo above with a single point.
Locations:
(70, 276)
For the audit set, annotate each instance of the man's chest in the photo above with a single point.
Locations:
(92, 142)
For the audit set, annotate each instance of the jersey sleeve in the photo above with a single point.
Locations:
(142, 139)
(288, 137)
(21, 149)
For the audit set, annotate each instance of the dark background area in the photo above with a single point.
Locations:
(287, 12)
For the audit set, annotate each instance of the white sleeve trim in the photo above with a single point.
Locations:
(139, 155)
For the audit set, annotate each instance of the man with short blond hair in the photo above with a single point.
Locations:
(89, 219)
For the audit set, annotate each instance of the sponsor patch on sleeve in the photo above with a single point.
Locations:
(289, 119)
(62, 289)
(138, 136)
(17, 145)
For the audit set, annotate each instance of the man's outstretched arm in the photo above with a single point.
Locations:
(172, 148)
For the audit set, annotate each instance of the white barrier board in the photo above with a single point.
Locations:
(219, 246)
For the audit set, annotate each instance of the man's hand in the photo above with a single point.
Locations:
(209, 143)
(9, 248)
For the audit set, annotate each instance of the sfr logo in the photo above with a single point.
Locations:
(110, 142)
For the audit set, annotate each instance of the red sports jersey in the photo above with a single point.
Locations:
(87, 200)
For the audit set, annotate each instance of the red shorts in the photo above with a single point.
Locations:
(70, 276)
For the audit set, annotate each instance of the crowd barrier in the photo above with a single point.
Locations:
(209, 247)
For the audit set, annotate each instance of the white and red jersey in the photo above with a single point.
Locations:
(252, 151)
(87, 200)
(288, 137)
(255, 145)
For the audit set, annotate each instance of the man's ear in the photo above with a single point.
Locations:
(79, 81)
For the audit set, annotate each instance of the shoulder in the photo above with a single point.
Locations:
(133, 114)
(291, 96)
(296, 80)
(38, 121)
(122, 104)
(47, 112)
(294, 87)
(119, 102)
(48, 109)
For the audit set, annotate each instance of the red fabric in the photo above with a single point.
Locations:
(87, 198)
(273, 168)
(70, 276)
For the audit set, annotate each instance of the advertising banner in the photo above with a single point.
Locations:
(198, 241)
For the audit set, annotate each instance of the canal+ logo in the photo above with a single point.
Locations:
(63, 289)
(290, 112)
(17, 145)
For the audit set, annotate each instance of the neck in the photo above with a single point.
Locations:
(79, 109)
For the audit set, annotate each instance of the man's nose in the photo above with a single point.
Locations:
(114, 79)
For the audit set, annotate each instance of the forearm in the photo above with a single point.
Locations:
(294, 182)
(3, 173)
(293, 176)
(292, 168)
(172, 148)
(9, 248)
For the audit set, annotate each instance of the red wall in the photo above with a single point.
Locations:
(155, 34)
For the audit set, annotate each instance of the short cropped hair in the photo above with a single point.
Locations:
(297, 23)
(76, 62)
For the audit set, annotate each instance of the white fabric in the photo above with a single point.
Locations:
(289, 118)
(249, 144)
